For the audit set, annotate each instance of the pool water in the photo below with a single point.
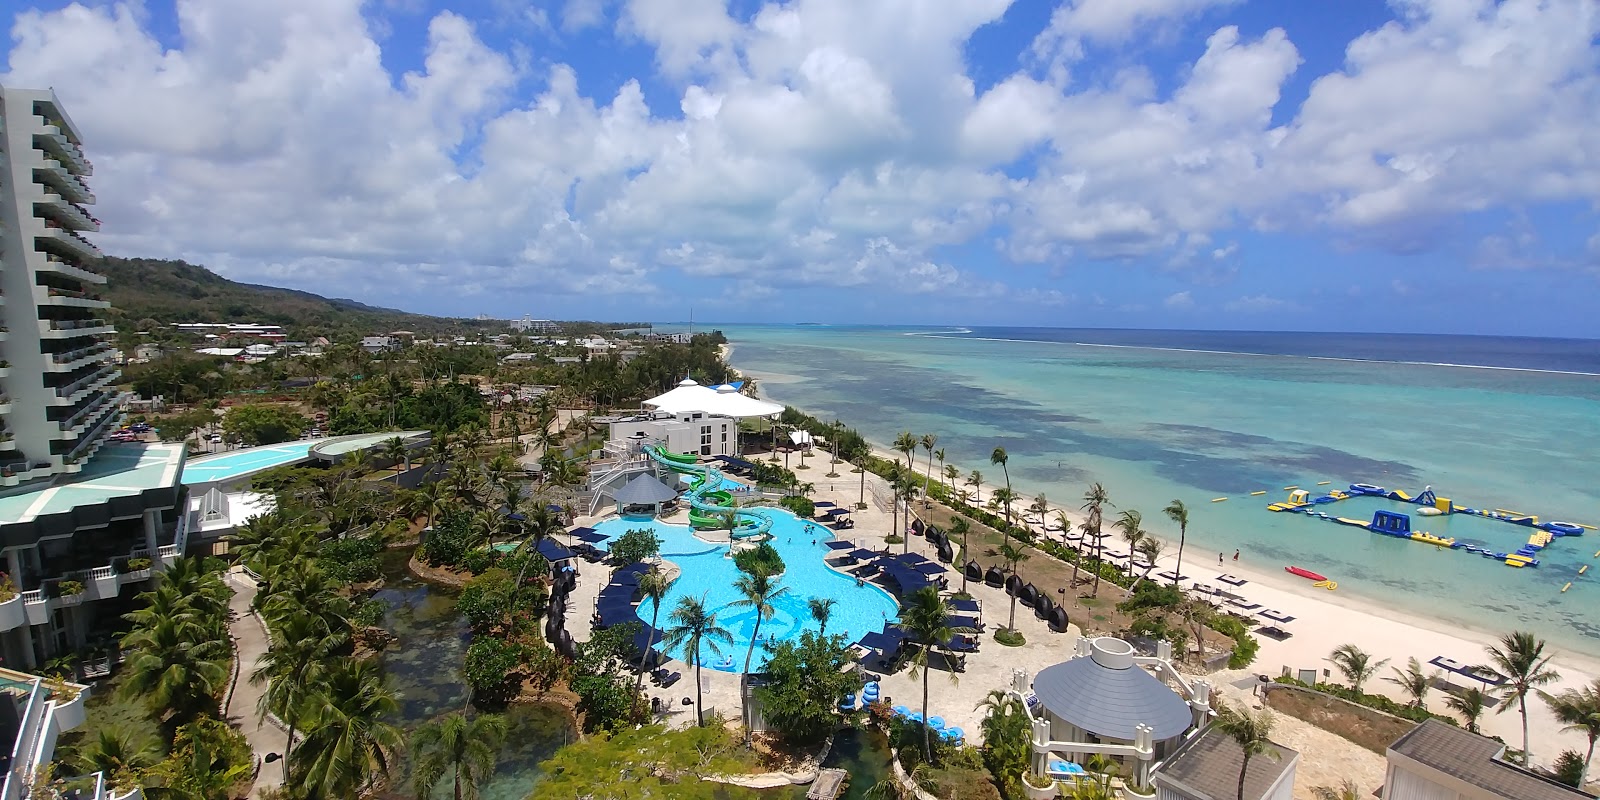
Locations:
(707, 572)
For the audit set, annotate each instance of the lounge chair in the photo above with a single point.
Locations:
(668, 681)
(1243, 604)
(1275, 616)
(1231, 580)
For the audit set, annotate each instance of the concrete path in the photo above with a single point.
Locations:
(250, 639)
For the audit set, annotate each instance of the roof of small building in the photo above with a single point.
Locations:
(1477, 760)
(1109, 695)
(1206, 767)
(644, 490)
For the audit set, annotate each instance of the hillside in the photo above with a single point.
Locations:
(142, 289)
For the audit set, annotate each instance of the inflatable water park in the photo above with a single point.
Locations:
(1398, 525)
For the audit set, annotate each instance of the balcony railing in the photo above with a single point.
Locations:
(58, 264)
(84, 382)
(76, 324)
(72, 422)
(57, 175)
(81, 353)
(56, 226)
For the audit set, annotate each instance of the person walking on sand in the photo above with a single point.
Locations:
(1219, 559)
(1236, 556)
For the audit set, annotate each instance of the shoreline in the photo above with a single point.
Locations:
(1324, 620)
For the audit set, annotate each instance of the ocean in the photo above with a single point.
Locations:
(1490, 422)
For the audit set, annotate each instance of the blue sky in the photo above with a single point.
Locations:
(1413, 165)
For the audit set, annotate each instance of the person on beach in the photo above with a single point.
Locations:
(1236, 556)
(1219, 559)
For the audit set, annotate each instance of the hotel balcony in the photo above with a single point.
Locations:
(43, 710)
(71, 270)
(103, 582)
(73, 359)
(92, 441)
(74, 328)
(88, 418)
(53, 141)
(5, 408)
(79, 389)
(68, 298)
(55, 207)
(55, 175)
(63, 241)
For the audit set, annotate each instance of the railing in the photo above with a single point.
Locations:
(91, 439)
(77, 324)
(72, 422)
(89, 274)
(84, 382)
(80, 353)
(73, 293)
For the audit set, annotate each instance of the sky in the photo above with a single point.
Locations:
(1338, 165)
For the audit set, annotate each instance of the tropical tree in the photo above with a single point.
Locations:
(1252, 732)
(928, 441)
(951, 474)
(1355, 664)
(300, 655)
(821, 611)
(925, 617)
(1579, 710)
(757, 592)
(394, 451)
(1178, 513)
(975, 480)
(960, 527)
(693, 627)
(1413, 680)
(1095, 501)
(1130, 524)
(1012, 555)
(1520, 657)
(999, 458)
(1346, 790)
(653, 586)
(348, 739)
(1150, 549)
(1007, 734)
(907, 491)
(906, 443)
(942, 473)
(175, 667)
(462, 749)
(119, 753)
(1003, 497)
(1470, 704)
(1039, 507)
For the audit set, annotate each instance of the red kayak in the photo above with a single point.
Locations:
(1305, 573)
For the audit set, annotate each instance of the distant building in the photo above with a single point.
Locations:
(222, 352)
(378, 344)
(520, 358)
(526, 325)
(149, 351)
(1438, 761)
(674, 338)
(685, 432)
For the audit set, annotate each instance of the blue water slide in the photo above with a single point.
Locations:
(753, 522)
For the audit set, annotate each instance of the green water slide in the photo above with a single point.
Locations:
(707, 503)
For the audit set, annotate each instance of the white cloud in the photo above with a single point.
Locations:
(1258, 304)
(1179, 301)
(1075, 22)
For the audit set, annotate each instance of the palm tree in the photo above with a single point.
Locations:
(395, 451)
(116, 752)
(456, 746)
(907, 492)
(1150, 548)
(1040, 506)
(176, 667)
(1003, 496)
(1012, 555)
(348, 740)
(942, 473)
(1094, 502)
(928, 441)
(1179, 513)
(951, 474)
(1520, 657)
(757, 592)
(1413, 681)
(293, 666)
(975, 480)
(1346, 790)
(1355, 664)
(1129, 522)
(925, 617)
(1252, 732)
(653, 585)
(960, 527)
(1470, 704)
(907, 443)
(1579, 710)
(999, 457)
(821, 611)
(694, 627)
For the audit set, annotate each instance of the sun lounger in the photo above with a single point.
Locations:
(1205, 588)
(1172, 576)
(1231, 580)
(670, 679)
(1243, 604)
(1275, 616)
(1274, 632)
(1485, 676)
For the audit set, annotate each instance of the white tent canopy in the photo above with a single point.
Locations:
(723, 401)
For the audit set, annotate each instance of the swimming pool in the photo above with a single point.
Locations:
(708, 573)
(240, 463)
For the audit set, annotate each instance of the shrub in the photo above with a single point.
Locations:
(137, 564)
(369, 614)
(763, 559)
(802, 507)
(491, 665)
(635, 545)
(69, 588)
(1373, 701)
(351, 560)
(1009, 638)
(1244, 652)
(452, 536)
(486, 599)
(476, 561)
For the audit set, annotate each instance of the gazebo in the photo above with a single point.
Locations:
(644, 490)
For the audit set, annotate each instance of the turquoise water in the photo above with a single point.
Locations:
(232, 465)
(1157, 424)
(707, 573)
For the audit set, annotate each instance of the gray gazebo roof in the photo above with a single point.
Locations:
(644, 490)
(1109, 701)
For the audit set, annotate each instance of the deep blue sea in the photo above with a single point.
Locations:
(1491, 422)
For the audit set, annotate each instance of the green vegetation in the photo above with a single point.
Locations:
(457, 752)
(763, 559)
(1373, 701)
(802, 507)
(1009, 637)
(805, 680)
(635, 545)
(603, 681)
(1007, 740)
(259, 424)
(648, 762)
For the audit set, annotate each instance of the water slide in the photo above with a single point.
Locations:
(707, 503)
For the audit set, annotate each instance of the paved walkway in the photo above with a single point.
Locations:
(251, 640)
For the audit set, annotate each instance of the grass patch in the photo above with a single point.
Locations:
(105, 711)
(893, 538)
(1010, 638)
(1100, 618)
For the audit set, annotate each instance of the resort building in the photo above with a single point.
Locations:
(1438, 761)
(1206, 767)
(526, 325)
(1109, 701)
(57, 401)
(34, 713)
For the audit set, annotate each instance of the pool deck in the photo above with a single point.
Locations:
(957, 702)
(233, 467)
(118, 470)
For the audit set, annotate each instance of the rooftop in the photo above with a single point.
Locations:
(1207, 766)
(1476, 760)
(118, 470)
(235, 466)
(1109, 695)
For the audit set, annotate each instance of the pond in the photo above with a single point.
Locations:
(424, 663)
(864, 754)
